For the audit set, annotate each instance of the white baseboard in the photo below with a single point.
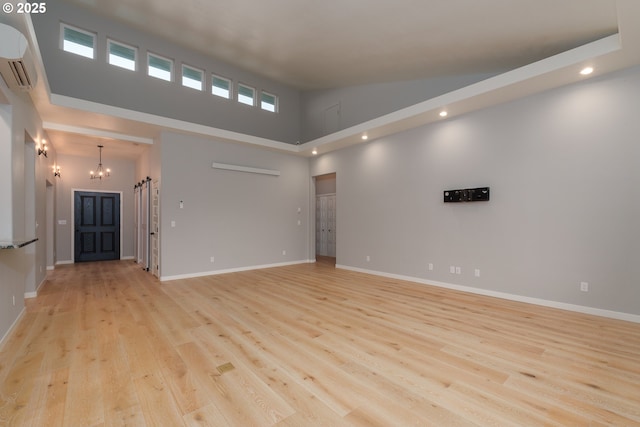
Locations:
(70, 261)
(28, 295)
(51, 267)
(231, 270)
(503, 295)
(12, 327)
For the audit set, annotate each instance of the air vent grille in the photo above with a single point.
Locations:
(20, 73)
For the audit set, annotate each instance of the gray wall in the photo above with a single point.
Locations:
(21, 270)
(325, 184)
(75, 175)
(358, 104)
(24, 194)
(241, 219)
(563, 168)
(6, 181)
(97, 81)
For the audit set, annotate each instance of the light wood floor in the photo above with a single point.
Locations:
(105, 344)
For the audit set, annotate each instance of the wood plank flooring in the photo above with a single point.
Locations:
(106, 344)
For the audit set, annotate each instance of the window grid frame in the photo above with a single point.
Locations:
(253, 91)
(171, 71)
(126, 46)
(63, 39)
(196, 69)
(165, 68)
(229, 89)
(275, 101)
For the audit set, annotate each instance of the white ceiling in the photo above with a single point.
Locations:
(334, 43)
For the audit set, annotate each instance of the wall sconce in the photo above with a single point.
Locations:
(56, 171)
(43, 148)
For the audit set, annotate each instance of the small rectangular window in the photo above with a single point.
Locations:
(221, 86)
(192, 77)
(246, 94)
(268, 102)
(122, 56)
(160, 68)
(80, 42)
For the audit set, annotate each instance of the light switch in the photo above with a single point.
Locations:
(173, 224)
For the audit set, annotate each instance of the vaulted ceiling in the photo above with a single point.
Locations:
(332, 43)
(335, 43)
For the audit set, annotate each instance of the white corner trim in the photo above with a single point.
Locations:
(34, 294)
(12, 327)
(64, 262)
(503, 295)
(78, 130)
(514, 84)
(230, 270)
(168, 123)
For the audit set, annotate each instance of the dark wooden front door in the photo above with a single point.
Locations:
(97, 226)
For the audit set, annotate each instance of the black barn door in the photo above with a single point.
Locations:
(97, 226)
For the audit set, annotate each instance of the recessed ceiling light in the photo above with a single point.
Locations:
(365, 137)
(314, 152)
(586, 71)
(443, 114)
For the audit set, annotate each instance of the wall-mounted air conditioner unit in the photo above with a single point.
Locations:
(16, 63)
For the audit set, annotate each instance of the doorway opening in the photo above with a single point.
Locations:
(50, 213)
(326, 218)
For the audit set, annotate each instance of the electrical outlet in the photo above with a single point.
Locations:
(458, 270)
(584, 286)
(430, 267)
(368, 258)
(452, 269)
(212, 259)
(477, 272)
(284, 252)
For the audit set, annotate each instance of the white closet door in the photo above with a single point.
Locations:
(155, 229)
(326, 225)
(331, 225)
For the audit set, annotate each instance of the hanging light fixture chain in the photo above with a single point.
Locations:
(100, 171)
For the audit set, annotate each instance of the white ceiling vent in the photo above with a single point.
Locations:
(16, 64)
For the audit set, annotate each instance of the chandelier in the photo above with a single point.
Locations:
(100, 172)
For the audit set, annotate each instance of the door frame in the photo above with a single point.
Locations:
(318, 197)
(154, 227)
(312, 213)
(73, 219)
